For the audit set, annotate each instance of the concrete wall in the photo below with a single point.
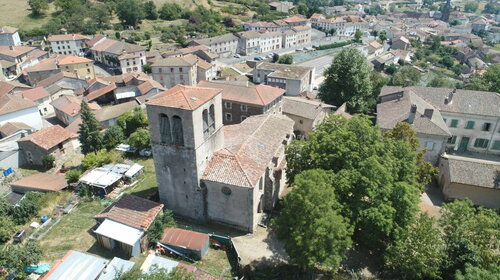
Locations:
(487, 197)
(83, 70)
(10, 159)
(172, 76)
(37, 76)
(33, 154)
(74, 47)
(439, 144)
(10, 39)
(29, 116)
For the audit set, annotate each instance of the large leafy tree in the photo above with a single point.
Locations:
(489, 81)
(407, 75)
(38, 7)
(319, 235)
(404, 132)
(150, 10)
(6, 229)
(418, 252)
(471, 235)
(348, 80)
(17, 257)
(132, 120)
(113, 136)
(89, 133)
(492, 272)
(140, 139)
(375, 177)
(130, 12)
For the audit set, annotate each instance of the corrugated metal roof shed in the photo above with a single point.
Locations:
(119, 232)
(153, 262)
(115, 267)
(77, 266)
(184, 238)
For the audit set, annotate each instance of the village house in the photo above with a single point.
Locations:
(212, 182)
(401, 43)
(40, 96)
(9, 128)
(240, 102)
(67, 108)
(374, 49)
(124, 224)
(9, 36)
(191, 244)
(54, 140)
(202, 52)
(307, 114)
(108, 115)
(14, 59)
(82, 67)
(120, 55)
(41, 71)
(63, 83)
(282, 6)
(293, 79)
(333, 10)
(172, 71)
(17, 109)
(224, 45)
(71, 44)
(12, 87)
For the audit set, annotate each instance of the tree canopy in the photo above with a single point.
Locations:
(407, 75)
(489, 81)
(286, 59)
(319, 235)
(38, 7)
(89, 133)
(348, 80)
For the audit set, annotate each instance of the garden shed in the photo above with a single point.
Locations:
(191, 243)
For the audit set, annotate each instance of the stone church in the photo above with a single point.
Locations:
(213, 173)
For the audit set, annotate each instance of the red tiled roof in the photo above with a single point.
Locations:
(10, 103)
(71, 59)
(259, 95)
(35, 93)
(71, 105)
(15, 51)
(43, 181)
(184, 238)
(48, 138)
(133, 211)
(67, 37)
(9, 128)
(184, 97)
(100, 92)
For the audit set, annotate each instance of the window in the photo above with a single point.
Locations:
(244, 108)
(160, 70)
(177, 133)
(452, 140)
(180, 69)
(228, 105)
(496, 145)
(205, 122)
(171, 69)
(469, 125)
(211, 118)
(486, 126)
(454, 123)
(229, 117)
(481, 143)
(243, 118)
(429, 145)
(165, 133)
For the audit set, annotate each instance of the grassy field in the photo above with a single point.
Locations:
(17, 13)
(73, 233)
(146, 187)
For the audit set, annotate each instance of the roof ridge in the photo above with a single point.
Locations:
(258, 94)
(239, 164)
(185, 97)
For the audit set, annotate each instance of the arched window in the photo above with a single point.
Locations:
(211, 118)
(178, 135)
(205, 123)
(165, 132)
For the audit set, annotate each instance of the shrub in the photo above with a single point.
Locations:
(48, 161)
(334, 45)
(99, 159)
(73, 175)
(28, 208)
(161, 222)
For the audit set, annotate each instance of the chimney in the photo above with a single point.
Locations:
(428, 113)
(413, 112)
(11, 48)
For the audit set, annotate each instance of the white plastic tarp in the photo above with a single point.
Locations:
(133, 170)
(120, 232)
(100, 178)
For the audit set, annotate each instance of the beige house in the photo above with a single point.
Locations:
(306, 114)
(477, 179)
(172, 71)
(82, 67)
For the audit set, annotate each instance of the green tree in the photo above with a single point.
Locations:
(286, 59)
(477, 273)
(97, 159)
(418, 252)
(89, 133)
(38, 7)
(150, 10)
(161, 222)
(132, 120)
(129, 12)
(100, 14)
(407, 75)
(5, 207)
(6, 229)
(471, 235)
(357, 36)
(378, 81)
(17, 257)
(382, 35)
(348, 80)
(375, 177)
(471, 7)
(171, 11)
(113, 136)
(48, 161)
(73, 175)
(447, 61)
(319, 235)
(440, 82)
(489, 81)
(27, 208)
(178, 273)
(491, 8)
(140, 138)
(425, 170)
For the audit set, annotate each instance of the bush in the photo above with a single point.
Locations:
(48, 161)
(99, 159)
(334, 45)
(286, 59)
(113, 136)
(28, 208)
(73, 175)
(161, 222)
(6, 229)
(140, 139)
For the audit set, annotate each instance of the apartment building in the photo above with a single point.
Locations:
(82, 67)
(293, 79)
(124, 57)
(224, 45)
(74, 44)
(172, 71)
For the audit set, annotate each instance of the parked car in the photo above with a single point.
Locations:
(259, 58)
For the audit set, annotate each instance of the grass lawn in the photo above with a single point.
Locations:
(73, 233)
(146, 187)
(216, 263)
(17, 13)
(497, 47)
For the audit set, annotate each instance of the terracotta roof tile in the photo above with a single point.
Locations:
(259, 95)
(10, 103)
(133, 211)
(35, 93)
(48, 138)
(100, 92)
(67, 37)
(71, 105)
(9, 128)
(15, 51)
(71, 59)
(43, 181)
(184, 97)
